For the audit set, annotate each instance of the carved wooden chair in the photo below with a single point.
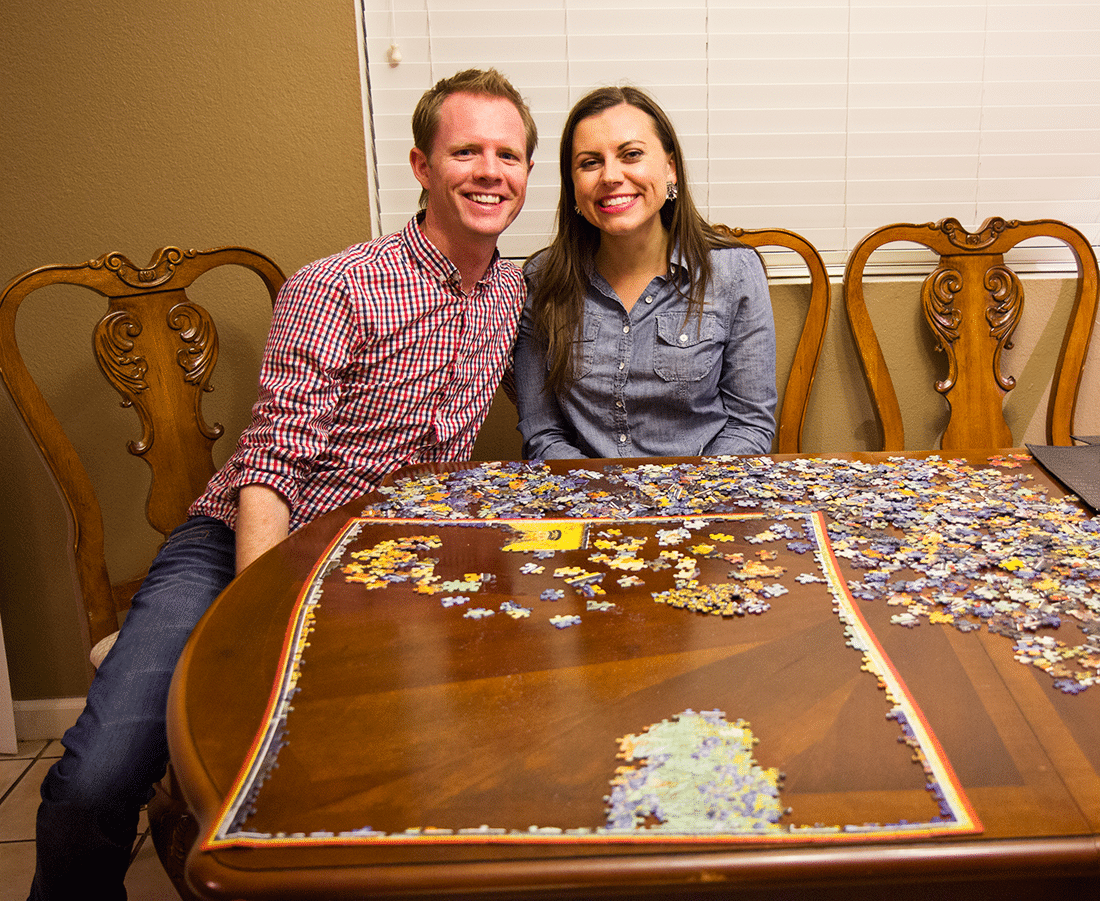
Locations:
(158, 349)
(795, 397)
(973, 303)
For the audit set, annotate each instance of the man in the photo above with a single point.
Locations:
(384, 355)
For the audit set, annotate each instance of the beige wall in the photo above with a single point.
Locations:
(215, 123)
(129, 126)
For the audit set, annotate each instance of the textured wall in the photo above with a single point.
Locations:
(128, 127)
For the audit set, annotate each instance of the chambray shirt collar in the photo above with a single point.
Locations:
(434, 262)
(676, 266)
(676, 269)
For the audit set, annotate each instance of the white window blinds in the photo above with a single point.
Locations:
(828, 117)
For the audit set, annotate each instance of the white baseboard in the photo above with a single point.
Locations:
(45, 717)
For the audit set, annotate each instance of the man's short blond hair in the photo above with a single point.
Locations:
(479, 82)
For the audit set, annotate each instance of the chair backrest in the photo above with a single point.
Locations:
(973, 303)
(795, 398)
(158, 349)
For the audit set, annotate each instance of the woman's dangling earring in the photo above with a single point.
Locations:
(671, 190)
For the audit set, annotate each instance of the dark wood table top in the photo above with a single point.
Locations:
(340, 739)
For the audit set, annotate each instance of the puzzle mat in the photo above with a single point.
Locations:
(400, 637)
(1078, 468)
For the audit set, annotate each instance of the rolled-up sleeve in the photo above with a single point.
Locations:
(312, 332)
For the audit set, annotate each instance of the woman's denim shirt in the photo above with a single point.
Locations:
(651, 384)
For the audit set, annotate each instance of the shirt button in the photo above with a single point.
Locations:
(626, 329)
(619, 404)
(622, 366)
(683, 339)
(649, 299)
(622, 439)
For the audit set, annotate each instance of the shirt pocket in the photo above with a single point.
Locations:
(585, 350)
(686, 351)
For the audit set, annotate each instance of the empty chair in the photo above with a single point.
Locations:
(973, 303)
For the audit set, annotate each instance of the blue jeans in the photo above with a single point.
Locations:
(118, 748)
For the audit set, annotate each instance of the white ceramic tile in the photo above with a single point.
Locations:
(16, 868)
(11, 770)
(17, 813)
(146, 879)
(26, 750)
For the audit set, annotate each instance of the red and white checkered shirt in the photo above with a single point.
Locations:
(376, 359)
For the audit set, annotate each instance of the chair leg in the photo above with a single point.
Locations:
(174, 832)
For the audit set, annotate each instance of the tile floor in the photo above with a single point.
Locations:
(20, 776)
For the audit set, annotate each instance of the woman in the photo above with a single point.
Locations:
(645, 332)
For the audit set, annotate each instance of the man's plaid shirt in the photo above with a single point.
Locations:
(376, 359)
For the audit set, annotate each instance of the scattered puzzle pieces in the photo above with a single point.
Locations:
(958, 539)
(564, 621)
(454, 600)
(514, 610)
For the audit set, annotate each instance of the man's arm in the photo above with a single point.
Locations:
(311, 331)
(263, 520)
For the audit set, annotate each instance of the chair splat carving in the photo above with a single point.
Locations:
(973, 303)
(158, 351)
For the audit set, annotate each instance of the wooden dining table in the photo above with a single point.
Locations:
(837, 676)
